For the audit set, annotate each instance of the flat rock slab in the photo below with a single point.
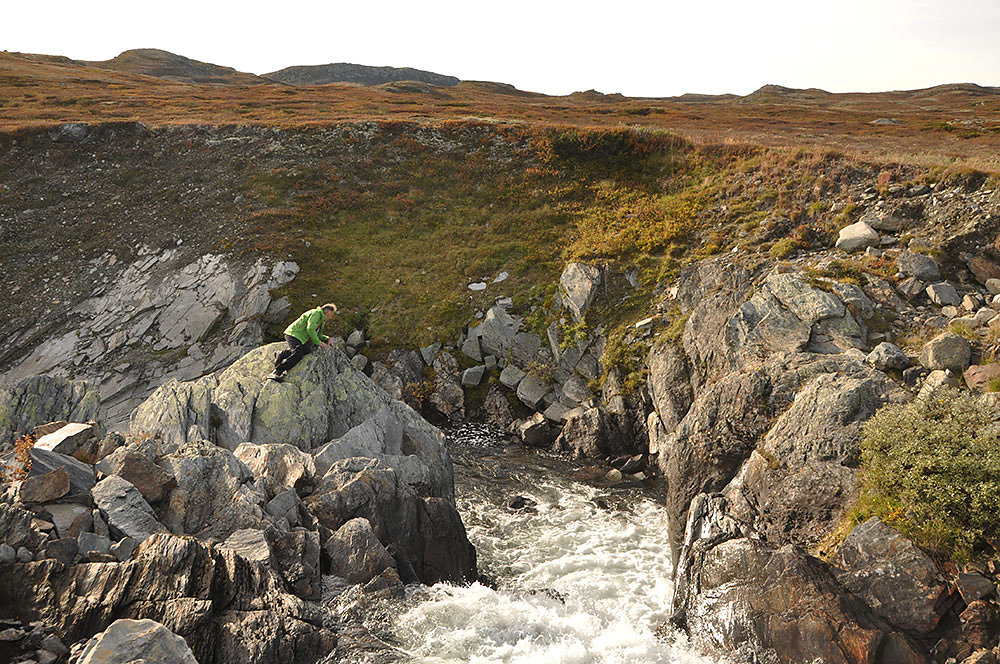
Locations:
(511, 376)
(249, 543)
(47, 487)
(943, 294)
(67, 439)
(125, 508)
(81, 475)
(531, 390)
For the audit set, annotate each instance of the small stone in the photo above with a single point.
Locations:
(970, 322)
(100, 557)
(971, 302)
(23, 555)
(911, 288)
(985, 315)
(556, 412)
(521, 504)
(359, 362)
(284, 506)
(356, 339)
(471, 349)
(54, 645)
(979, 376)
(949, 311)
(477, 286)
(11, 634)
(67, 439)
(473, 376)
(64, 550)
(45, 657)
(93, 542)
(993, 286)
(918, 266)
(935, 381)
(613, 475)
(973, 586)
(872, 252)
(532, 390)
(7, 553)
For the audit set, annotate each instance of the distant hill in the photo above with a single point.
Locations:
(166, 65)
(343, 72)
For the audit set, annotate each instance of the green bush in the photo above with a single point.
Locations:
(931, 468)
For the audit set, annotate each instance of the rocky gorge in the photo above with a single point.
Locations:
(171, 490)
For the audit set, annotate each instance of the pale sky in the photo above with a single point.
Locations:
(638, 48)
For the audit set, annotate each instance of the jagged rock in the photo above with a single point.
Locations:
(448, 397)
(943, 293)
(471, 349)
(946, 351)
(980, 621)
(355, 553)
(229, 610)
(575, 390)
(126, 641)
(152, 481)
(578, 286)
(81, 475)
(973, 586)
(125, 508)
(397, 437)
(249, 543)
(65, 515)
(356, 339)
(497, 410)
(278, 465)
(911, 288)
(124, 548)
(936, 380)
(531, 390)
(65, 550)
(887, 356)
(37, 400)
(429, 353)
(750, 602)
(993, 286)
(93, 542)
(214, 496)
(557, 412)
(801, 476)
(45, 488)
(857, 237)
(424, 534)
(284, 506)
(979, 376)
(67, 439)
(320, 399)
(593, 433)
(918, 266)
(296, 554)
(536, 430)
(668, 384)
(388, 381)
(896, 579)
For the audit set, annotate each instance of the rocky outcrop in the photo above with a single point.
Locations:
(35, 400)
(127, 640)
(165, 315)
(749, 601)
(227, 608)
(320, 400)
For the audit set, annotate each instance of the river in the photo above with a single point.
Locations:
(578, 575)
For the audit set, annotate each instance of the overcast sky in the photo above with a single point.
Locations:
(637, 48)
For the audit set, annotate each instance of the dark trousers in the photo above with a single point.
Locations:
(289, 357)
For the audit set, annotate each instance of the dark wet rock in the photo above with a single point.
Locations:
(521, 504)
(424, 534)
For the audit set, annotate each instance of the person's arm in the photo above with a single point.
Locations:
(316, 320)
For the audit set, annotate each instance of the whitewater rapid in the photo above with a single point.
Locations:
(581, 577)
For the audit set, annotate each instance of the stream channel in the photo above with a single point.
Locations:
(580, 576)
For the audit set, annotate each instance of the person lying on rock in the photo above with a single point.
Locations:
(303, 336)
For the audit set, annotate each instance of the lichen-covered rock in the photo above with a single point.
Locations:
(578, 285)
(36, 400)
(946, 351)
(278, 465)
(319, 400)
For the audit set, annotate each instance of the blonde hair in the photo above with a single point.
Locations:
(329, 305)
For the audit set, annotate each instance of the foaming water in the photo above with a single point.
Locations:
(582, 576)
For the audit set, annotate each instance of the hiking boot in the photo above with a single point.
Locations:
(275, 376)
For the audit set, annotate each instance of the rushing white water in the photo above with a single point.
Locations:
(584, 578)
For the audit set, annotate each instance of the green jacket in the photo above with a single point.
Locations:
(307, 326)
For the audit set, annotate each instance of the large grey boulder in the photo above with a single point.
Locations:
(918, 266)
(743, 599)
(214, 496)
(578, 286)
(126, 641)
(946, 351)
(532, 390)
(36, 400)
(895, 578)
(355, 552)
(319, 400)
(425, 534)
(124, 508)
